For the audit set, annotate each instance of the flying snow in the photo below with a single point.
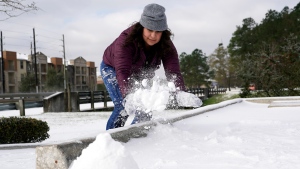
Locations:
(157, 97)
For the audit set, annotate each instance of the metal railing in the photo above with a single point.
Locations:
(10, 101)
(14, 97)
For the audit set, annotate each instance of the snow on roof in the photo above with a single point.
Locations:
(48, 60)
(22, 56)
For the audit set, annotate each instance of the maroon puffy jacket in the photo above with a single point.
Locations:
(130, 63)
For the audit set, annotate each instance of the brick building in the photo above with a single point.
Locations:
(81, 74)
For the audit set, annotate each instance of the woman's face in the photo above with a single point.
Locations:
(151, 37)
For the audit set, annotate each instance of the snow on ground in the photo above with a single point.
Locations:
(242, 135)
(65, 126)
(113, 155)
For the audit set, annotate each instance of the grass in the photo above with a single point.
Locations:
(218, 98)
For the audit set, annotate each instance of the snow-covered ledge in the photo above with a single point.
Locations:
(269, 100)
(285, 103)
(61, 155)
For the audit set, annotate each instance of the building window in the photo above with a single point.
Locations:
(21, 64)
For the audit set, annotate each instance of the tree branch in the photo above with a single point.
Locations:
(14, 8)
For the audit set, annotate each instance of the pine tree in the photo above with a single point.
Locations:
(194, 69)
(219, 62)
(54, 81)
(27, 83)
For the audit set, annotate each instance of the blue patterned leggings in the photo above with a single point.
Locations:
(108, 74)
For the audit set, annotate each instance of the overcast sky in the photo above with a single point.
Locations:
(89, 26)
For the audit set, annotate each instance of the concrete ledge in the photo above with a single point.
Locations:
(56, 102)
(60, 156)
(269, 100)
(290, 103)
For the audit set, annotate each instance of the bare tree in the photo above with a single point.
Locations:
(14, 8)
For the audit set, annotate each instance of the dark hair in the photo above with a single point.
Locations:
(136, 35)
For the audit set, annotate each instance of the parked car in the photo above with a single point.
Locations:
(252, 86)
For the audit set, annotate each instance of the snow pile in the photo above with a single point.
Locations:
(185, 99)
(105, 153)
(156, 97)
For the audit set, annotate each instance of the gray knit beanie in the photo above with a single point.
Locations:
(154, 18)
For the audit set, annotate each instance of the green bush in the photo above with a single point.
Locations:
(245, 93)
(22, 130)
(217, 99)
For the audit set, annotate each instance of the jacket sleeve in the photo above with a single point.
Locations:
(172, 68)
(123, 57)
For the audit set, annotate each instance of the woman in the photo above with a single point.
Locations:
(135, 55)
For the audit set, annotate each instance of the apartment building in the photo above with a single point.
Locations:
(10, 72)
(22, 69)
(91, 75)
(41, 68)
(81, 74)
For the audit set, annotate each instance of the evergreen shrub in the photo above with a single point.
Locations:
(22, 130)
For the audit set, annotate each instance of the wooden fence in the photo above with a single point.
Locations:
(93, 97)
(205, 93)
